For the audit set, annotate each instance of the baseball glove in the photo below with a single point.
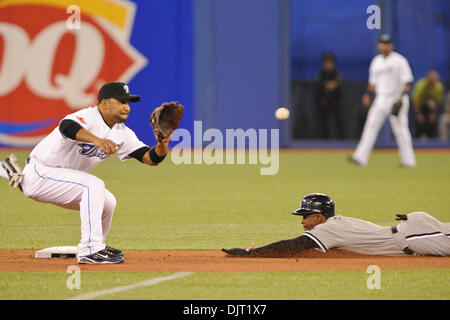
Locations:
(165, 119)
(396, 108)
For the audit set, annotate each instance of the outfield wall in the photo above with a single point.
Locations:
(229, 62)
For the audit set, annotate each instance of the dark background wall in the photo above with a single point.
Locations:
(421, 31)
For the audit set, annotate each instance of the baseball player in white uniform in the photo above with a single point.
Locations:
(57, 170)
(390, 79)
(418, 233)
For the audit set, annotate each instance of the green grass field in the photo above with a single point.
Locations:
(214, 206)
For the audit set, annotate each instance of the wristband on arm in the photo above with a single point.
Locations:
(139, 153)
(154, 156)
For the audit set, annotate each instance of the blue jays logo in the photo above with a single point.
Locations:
(90, 150)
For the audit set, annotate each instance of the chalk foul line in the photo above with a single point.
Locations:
(146, 283)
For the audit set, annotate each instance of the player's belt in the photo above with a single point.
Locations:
(406, 250)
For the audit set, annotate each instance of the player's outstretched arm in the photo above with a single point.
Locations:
(284, 248)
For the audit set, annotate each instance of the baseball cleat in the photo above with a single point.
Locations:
(354, 161)
(12, 166)
(404, 165)
(101, 257)
(114, 251)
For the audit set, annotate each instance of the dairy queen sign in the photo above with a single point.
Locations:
(54, 56)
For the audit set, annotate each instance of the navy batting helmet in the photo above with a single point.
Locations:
(316, 203)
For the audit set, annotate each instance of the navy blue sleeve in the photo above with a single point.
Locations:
(69, 128)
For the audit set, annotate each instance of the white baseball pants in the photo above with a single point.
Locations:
(424, 234)
(75, 190)
(381, 109)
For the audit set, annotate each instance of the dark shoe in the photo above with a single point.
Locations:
(114, 251)
(100, 257)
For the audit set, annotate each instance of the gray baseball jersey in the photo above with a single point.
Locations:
(421, 233)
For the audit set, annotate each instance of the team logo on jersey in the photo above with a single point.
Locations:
(81, 120)
(49, 69)
(90, 150)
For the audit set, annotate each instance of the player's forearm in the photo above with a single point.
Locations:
(85, 136)
(156, 154)
(284, 248)
(107, 146)
(73, 130)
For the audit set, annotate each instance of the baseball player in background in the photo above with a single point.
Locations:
(418, 233)
(390, 79)
(57, 169)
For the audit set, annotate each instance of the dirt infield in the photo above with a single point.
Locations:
(217, 261)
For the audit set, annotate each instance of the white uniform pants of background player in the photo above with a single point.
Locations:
(424, 234)
(381, 109)
(76, 190)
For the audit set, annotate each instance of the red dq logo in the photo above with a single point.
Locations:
(48, 70)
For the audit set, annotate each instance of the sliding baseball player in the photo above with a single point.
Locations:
(418, 233)
(390, 80)
(57, 170)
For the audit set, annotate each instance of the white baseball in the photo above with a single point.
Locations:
(282, 113)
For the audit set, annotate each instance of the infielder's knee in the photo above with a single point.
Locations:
(95, 189)
(110, 202)
(95, 184)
